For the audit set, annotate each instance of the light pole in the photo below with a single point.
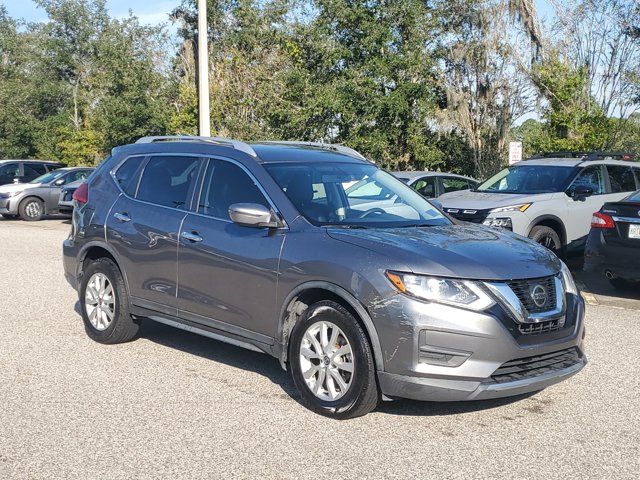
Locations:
(204, 121)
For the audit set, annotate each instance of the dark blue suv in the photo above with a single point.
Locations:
(310, 253)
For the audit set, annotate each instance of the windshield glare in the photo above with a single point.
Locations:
(47, 177)
(353, 195)
(528, 179)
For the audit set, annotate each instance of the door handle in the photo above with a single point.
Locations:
(192, 237)
(122, 217)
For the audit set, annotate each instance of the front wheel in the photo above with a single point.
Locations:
(31, 209)
(332, 363)
(547, 237)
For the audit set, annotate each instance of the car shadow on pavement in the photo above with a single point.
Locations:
(269, 367)
(220, 352)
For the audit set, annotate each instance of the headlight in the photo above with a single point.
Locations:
(513, 208)
(9, 194)
(461, 293)
(569, 284)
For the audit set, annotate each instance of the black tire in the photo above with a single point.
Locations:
(31, 209)
(122, 328)
(547, 237)
(363, 394)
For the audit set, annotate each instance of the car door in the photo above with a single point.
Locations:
(144, 223)
(580, 210)
(228, 273)
(53, 190)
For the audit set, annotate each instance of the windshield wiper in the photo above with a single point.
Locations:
(350, 226)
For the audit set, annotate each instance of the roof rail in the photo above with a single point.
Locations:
(611, 155)
(538, 156)
(325, 146)
(236, 144)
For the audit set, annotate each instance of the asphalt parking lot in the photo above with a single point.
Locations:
(175, 405)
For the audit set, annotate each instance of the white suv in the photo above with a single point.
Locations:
(548, 198)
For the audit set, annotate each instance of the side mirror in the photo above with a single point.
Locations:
(253, 215)
(580, 193)
(59, 182)
(18, 179)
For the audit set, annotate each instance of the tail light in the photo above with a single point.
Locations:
(602, 220)
(81, 195)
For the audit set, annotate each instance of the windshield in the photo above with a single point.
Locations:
(528, 179)
(353, 195)
(48, 177)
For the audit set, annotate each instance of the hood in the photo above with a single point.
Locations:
(17, 187)
(460, 251)
(482, 201)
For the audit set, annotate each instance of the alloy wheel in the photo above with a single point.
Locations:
(326, 361)
(33, 209)
(100, 301)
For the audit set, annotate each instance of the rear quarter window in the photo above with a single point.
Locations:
(621, 178)
(127, 175)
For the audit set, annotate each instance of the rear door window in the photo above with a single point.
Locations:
(621, 178)
(168, 181)
(453, 184)
(31, 172)
(225, 183)
(127, 175)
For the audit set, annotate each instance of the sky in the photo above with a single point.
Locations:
(150, 11)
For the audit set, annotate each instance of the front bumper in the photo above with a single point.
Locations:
(436, 352)
(8, 206)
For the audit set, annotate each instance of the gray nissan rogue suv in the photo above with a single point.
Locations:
(361, 297)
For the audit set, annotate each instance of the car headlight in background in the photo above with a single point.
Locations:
(512, 208)
(9, 194)
(501, 222)
(567, 278)
(461, 293)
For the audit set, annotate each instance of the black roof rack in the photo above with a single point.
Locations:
(584, 156)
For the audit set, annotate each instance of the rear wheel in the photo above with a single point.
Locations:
(31, 209)
(105, 305)
(547, 237)
(332, 363)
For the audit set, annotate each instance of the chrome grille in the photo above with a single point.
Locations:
(523, 368)
(541, 327)
(524, 290)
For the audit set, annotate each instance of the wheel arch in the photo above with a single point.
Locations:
(95, 250)
(551, 221)
(314, 291)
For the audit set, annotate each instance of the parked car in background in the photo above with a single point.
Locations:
(613, 245)
(434, 184)
(12, 171)
(548, 198)
(261, 245)
(31, 201)
(65, 202)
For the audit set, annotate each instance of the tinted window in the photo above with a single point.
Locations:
(225, 183)
(30, 173)
(9, 172)
(528, 179)
(590, 177)
(452, 184)
(621, 178)
(126, 175)
(167, 181)
(38, 167)
(635, 197)
(426, 187)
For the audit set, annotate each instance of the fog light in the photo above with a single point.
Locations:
(499, 222)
